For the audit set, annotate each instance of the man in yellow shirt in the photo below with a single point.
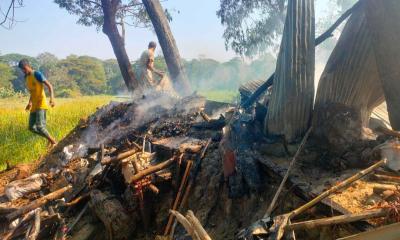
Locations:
(35, 82)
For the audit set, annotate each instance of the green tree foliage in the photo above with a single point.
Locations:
(208, 74)
(251, 26)
(12, 60)
(83, 75)
(87, 72)
(115, 82)
(254, 27)
(6, 76)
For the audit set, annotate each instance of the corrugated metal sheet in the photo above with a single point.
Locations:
(381, 113)
(351, 75)
(383, 19)
(248, 88)
(293, 91)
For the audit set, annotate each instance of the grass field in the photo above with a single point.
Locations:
(18, 145)
(220, 95)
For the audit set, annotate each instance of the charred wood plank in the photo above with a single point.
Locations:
(38, 203)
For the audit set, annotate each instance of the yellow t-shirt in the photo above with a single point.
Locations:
(34, 84)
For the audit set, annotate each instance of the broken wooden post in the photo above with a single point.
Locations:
(291, 104)
(38, 202)
(118, 223)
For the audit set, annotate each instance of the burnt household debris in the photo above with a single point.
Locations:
(287, 162)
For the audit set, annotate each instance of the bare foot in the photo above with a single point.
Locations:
(51, 144)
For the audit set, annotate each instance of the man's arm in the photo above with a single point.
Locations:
(29, 106)
(150, 66)
(50, 87)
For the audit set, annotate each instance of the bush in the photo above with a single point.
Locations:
(6, 92)
(68, 93)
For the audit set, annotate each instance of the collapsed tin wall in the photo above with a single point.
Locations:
(293, 92)
(383, 20)
(351, 76)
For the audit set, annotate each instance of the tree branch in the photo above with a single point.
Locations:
(329, 33)
(9, 16)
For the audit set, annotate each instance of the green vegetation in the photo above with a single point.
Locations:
(221, 96)
(83, 83)
(17, 144)
(83, 75)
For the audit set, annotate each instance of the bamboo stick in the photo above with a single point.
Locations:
(153, 188)
(178, 196)
(109, 160)
(273, 202)
(26, 218)
(197, 226)
(36, 226)
(387, 178)
(379, 188)
(346, 183)
(186, 224)
(38, 203)
(347, 218)
(151, 170)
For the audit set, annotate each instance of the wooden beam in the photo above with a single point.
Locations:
(38, 203)
(152, 169)
(347, 218)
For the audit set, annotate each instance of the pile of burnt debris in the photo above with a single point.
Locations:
(132, 168)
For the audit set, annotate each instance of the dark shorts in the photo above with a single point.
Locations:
(37, 123)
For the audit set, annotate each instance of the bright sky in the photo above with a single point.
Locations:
(47, 28)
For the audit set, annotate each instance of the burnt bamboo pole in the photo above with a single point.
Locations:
(347, 218)
(178, 196)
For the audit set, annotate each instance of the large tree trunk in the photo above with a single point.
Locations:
(383, 19)
(168, 45)
(111, 30)
(291, 105)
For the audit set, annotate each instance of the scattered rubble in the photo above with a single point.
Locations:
(136, 173)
